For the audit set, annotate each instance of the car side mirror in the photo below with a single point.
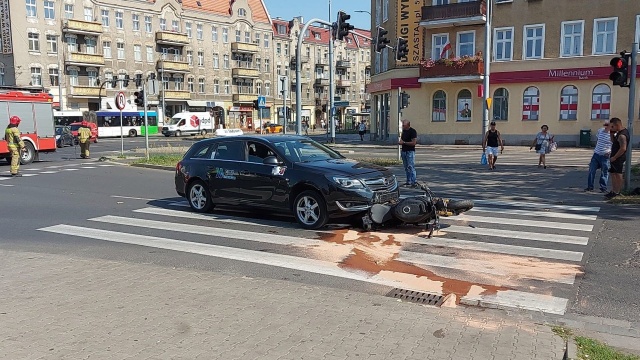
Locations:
(271, 160)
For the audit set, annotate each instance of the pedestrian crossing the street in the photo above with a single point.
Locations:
(503, 254)
(37, 170)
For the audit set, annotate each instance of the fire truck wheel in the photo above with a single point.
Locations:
(29, 155)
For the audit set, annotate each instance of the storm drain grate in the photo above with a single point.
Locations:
(416, 297)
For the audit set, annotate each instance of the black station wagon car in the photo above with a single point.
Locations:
(281, 174)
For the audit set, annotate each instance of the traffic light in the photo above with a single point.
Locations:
(139, 98)
(126, 81)
(381, 41)
(255, 105)
(138, 80)
(620, 74)
(402, 49)
(114, 82)
(404, 100)
(343, 26)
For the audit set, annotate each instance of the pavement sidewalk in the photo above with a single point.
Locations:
(57, 307)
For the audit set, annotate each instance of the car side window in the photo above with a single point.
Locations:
(231, 151)
(202, 152)
(258, 152)
(181, 123)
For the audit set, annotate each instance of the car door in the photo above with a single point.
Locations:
(224, 171)
(265, 185)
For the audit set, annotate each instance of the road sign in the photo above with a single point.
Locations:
(152, 87)
(121, 100)
(341, 103)
(333, 111)
(489, 102)
(262, 102)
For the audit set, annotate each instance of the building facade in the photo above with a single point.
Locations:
(208, 56)
(549, 65)
(351, 65)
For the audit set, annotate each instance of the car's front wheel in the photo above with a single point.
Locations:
(199, 197)
(310, 210)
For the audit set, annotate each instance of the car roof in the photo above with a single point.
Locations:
(265, 138)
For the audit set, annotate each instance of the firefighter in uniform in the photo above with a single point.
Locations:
(15, 144)
(84, 136)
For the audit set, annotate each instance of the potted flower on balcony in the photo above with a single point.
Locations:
(452, 66)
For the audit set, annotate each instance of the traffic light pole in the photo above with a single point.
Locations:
(146, 121)
(631, 114)
(399, 122)
(486, 115)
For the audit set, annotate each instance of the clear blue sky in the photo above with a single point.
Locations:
(308, 9)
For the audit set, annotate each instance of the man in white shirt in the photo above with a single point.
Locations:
(362, 128)
(600, 159)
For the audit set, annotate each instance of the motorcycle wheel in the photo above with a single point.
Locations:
(460, 206)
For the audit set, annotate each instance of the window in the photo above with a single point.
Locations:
(119, 20)
(441, 2)
(36, 76)
(279, 71)
(135, 18)
(227, 87)
(49, 10)
(52, 44)
(286, 49)
(199, 33)
(216, 61)
(34, 42)
(534, 41)
(267, 65)
(601, 102)
(378, 12)
(638, 28)
(92, 77)
(120, 47)
(200, 58)
(233, 151)
(259, 64)
(147, 24)
(137, 53)
(226, 61)
(385, 10)
(439, 106)
(225, 35)
(73, 77)
(201, 85)
(106, 49)
(569, 103)
(605, 35)
(175, 26)
(571, 41)
(88, 14)
(163, 24)
(501, 104)
(531, 103)
(267, 89)
(464, 105)
(68, 11)
(237, 35)
(149, 54)
(190, 85)
(31, 8)
(165, 82)
(247, 37)
(187, 26)
(466, 43)
(72, 43)
(214, 33)
(503, 44)
(259, 88)
(258, 152)
(178, 83)
(139, 81)
(279, 48)
(108, 76)
(121, 77)
(90, 45)
(216, 86)
(257, 41)
(190, 57)
(282, 29)
(105, 17)
(54, 77)
(266, 41)
(242, 12)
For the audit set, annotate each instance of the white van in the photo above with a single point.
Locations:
(185, 123)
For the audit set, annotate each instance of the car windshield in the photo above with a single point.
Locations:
(174, 121)
(75, 127)
(298, 151)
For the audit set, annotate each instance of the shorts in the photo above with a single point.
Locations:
(617, 167)
(492, 151)
(361, 133)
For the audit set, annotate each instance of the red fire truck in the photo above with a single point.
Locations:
(36, 112)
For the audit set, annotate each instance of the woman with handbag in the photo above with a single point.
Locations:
(542, 143)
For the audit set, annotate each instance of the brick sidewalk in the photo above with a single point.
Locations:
(56, 307)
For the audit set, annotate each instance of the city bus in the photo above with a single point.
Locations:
(109, 122)
(66, 118)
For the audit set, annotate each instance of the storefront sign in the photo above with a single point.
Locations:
(5, 28)
(240, 108)
(389, 84)
(597, 73)
(408, 27)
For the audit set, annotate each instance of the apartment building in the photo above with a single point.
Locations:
(549, 65)
(207, 55)
(351, 65)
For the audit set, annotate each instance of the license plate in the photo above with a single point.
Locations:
(386, 197)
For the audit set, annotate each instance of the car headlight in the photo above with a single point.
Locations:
(348, 183)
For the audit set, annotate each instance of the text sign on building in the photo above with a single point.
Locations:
(5, 28)
(408, 27)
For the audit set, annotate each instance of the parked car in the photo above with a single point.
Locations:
(64, 137)
(271, 128)
(281, 174)
(93, 127)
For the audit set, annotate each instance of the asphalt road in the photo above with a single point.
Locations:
(533, 235)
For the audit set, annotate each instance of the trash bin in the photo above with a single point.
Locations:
(585, 138)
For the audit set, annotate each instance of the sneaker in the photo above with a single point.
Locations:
(16, 175)
(611, 195)
(407, 184)
(588, 190)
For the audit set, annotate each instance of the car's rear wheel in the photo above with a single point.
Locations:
(199, 197)
(178, 133)
(310, 210)
(203, 132)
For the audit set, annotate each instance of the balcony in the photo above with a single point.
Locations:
(322, 82)
(244, 69)
(248, 48)
(176, 64)
(458, 14)
(84, 59)
(303, 80)
(85, 91)
(177, 94)
(343, 83)
(322, 63)
(171, 38)
(470, 71)
(82, 27)
(344, 64)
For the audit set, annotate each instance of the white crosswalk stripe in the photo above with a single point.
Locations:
(55, 169)
(531, 252)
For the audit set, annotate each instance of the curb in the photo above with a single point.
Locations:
(155, 167)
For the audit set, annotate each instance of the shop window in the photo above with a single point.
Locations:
(501, 104)
(601, 102)
(464, 105)
(531, 104)
(439, 106)
(569, 103)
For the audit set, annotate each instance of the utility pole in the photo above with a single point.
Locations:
(399, 122)
(332, 122)
(487, 68)
(60, 71)
(631, 114)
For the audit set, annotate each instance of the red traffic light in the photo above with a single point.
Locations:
(618, 63)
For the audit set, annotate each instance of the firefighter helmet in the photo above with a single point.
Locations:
(14, 120)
